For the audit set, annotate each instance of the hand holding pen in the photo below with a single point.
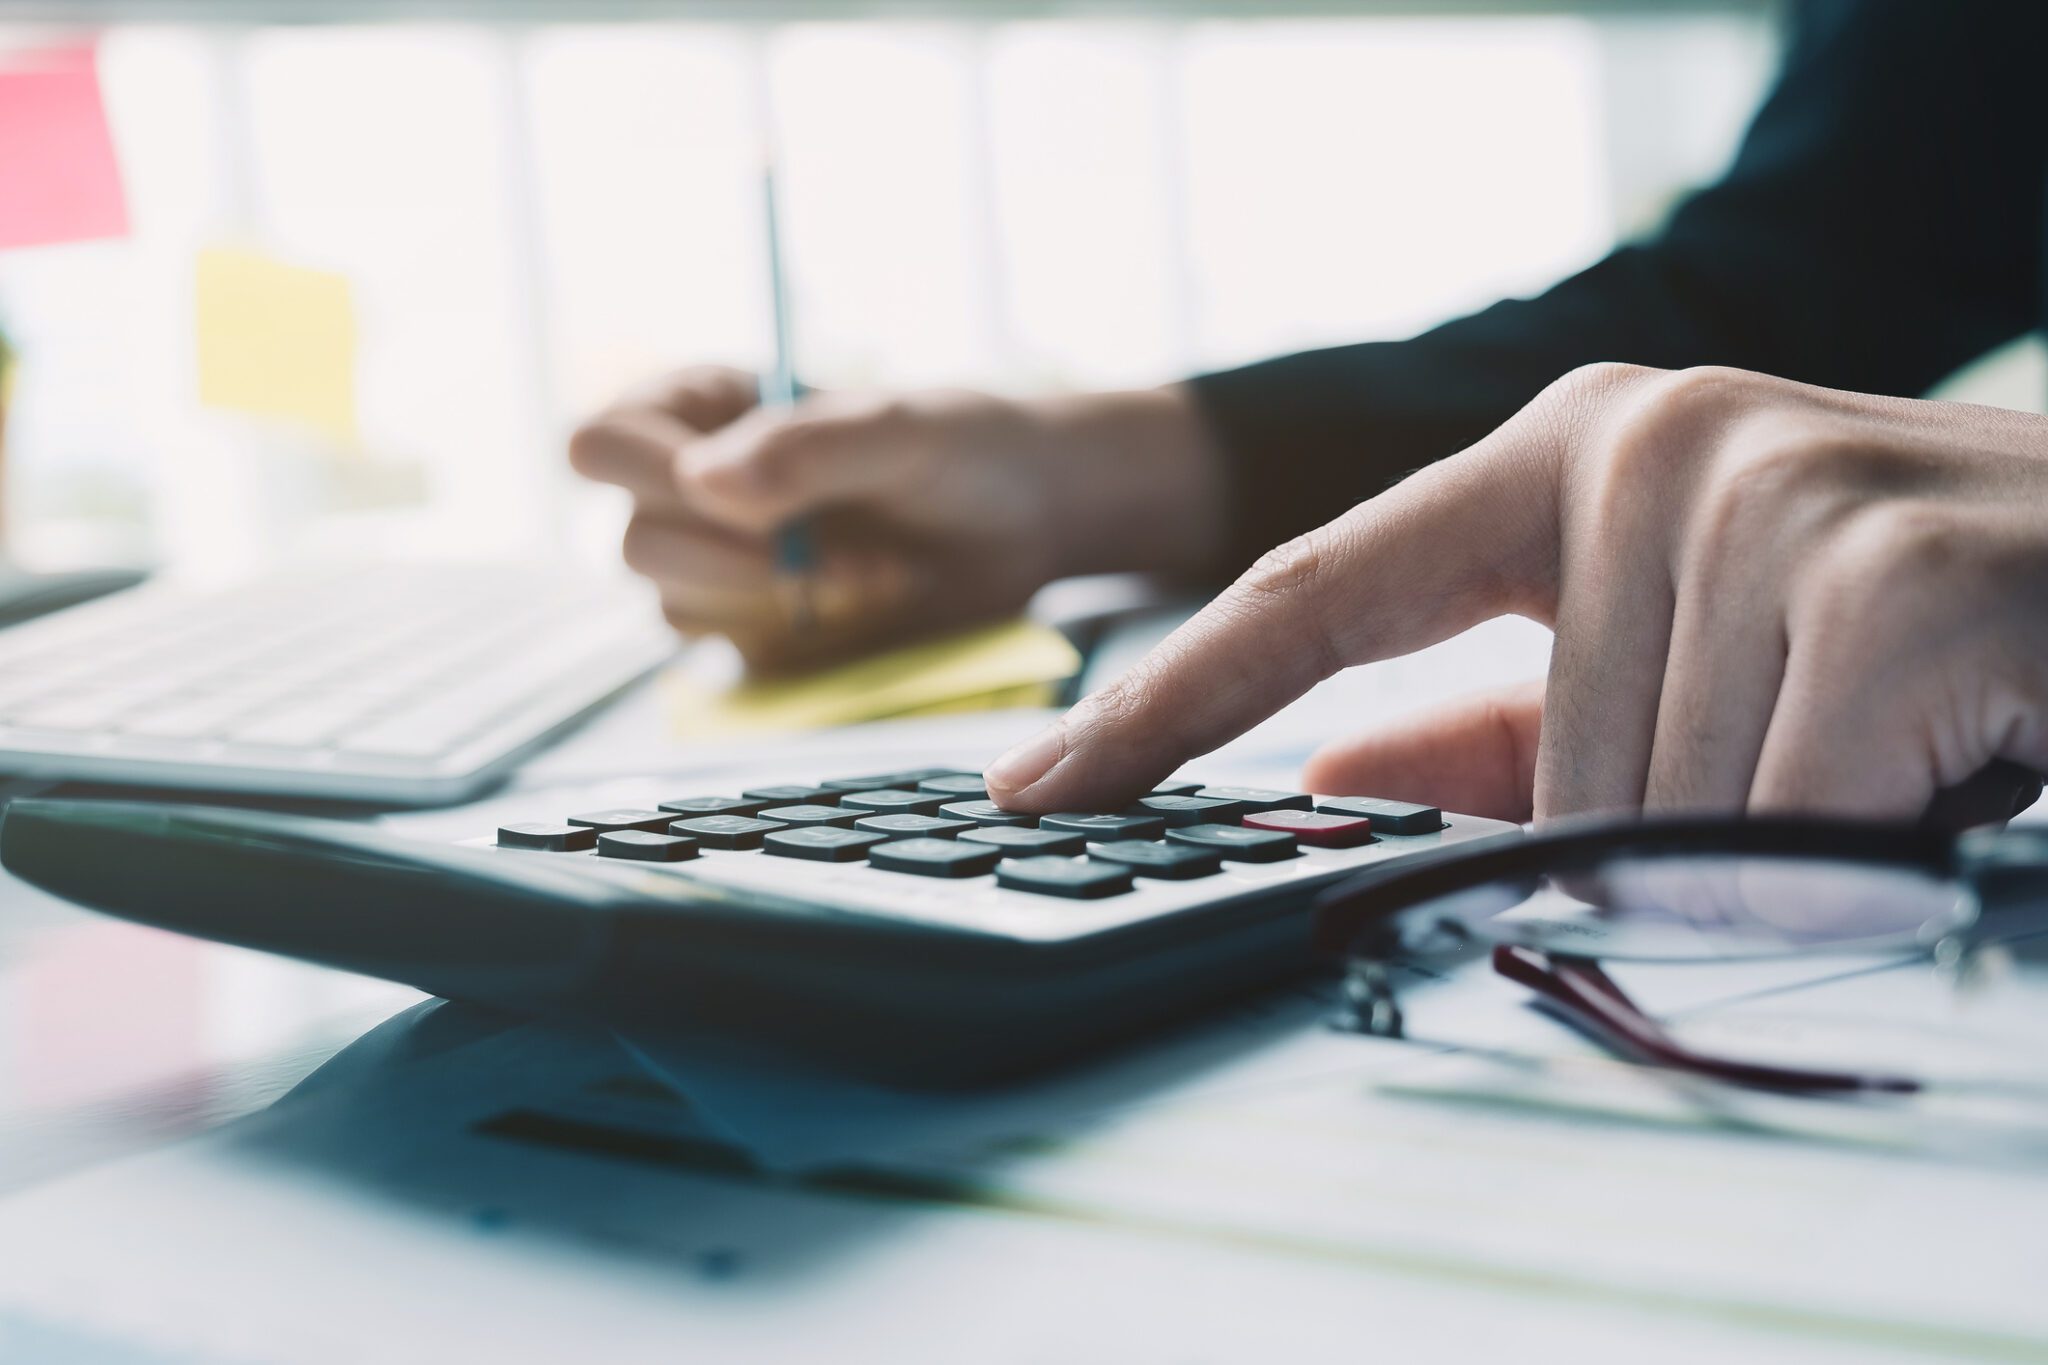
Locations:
(926, 512)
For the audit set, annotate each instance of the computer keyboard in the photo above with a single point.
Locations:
(402, 685)
(897, 924)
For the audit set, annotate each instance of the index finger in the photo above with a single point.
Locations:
(637, 441)
(1466, 539)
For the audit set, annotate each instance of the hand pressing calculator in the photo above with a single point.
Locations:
(899, 925)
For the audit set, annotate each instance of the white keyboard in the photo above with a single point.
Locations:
(407, 685)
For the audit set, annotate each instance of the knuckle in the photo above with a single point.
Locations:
(1882, 560)
(1771, 479)
(1595, 381)
(1696, 386)
(640, 544)
(782, 450)
(586, 445)
(1287, 578)
(679, 619)
(1662, 419)
(1290, 582)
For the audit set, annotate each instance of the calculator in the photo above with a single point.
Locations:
(897, 925)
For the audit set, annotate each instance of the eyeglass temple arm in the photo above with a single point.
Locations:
(1588, 999)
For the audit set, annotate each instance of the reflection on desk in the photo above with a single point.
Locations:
(116, 1038)
(475, 1187)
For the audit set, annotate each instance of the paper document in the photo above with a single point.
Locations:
(59, 181)
(1015, 664)
(277, 340)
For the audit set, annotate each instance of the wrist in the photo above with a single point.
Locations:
(1138, 483)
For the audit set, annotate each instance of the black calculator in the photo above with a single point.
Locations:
(899, 925)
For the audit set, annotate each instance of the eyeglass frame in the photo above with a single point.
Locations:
(1371, 919)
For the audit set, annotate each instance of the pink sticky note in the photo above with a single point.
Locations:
(58, 178)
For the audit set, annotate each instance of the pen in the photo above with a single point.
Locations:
(778, 389)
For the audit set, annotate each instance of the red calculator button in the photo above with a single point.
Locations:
(1313, 829)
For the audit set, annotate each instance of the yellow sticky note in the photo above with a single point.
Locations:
(277, 340)
(1016, 664)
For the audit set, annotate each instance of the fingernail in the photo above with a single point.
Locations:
(1028, 762)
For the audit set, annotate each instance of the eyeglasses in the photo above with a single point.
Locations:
(1552, 904)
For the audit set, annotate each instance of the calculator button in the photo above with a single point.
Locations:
(1106, 826)
(1388, 817)
(934, 857)
(1169, 862)
(1315, 829)
(893, 801)
(1016, 842)
(1237, 843)
(605, 820)
(1074, 878)
(725, 831)
(645, 847)
(810, 815)
(1256, 799)
(986, 813)
(955, 786)
(785, 796)
(1189, 810)
(714, 805)
(820, 843)
(902, 781)
(546, 837)
(912, 826)
(1177, 788)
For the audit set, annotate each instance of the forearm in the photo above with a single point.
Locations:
(1140, 484)
(1881, 226)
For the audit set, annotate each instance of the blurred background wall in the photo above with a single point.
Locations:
(524, 215)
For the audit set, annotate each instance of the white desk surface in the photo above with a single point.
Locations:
(456, 1187)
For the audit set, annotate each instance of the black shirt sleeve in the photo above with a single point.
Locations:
(1881, 226)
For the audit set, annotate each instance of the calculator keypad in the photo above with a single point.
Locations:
(820, 843)
(726, 831)
(642, 846)
(935, 857)
(926, 844)
(1024, 843)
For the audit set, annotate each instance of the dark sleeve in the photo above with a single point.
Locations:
(1881, 226)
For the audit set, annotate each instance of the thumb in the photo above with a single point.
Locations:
(773, 465)
(1476, 754)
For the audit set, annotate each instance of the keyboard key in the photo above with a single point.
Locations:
(645, 847)
(934, 857)
(715, 805)
(1255, 799)
(912, 826)
(820, 843)
(1017, 842)
(1177, 788)
(1388, 817)
(604, 821)
(810, 815)
(903, 781)
(1189, 810)
(1169, 862)
(1237, 843)
(546, 837)
(790, 796)
(1073, 878)
(893, 801)
(986, 813)
(1106, 826)
(954, 786)
(725, 831)
(1315, 829)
